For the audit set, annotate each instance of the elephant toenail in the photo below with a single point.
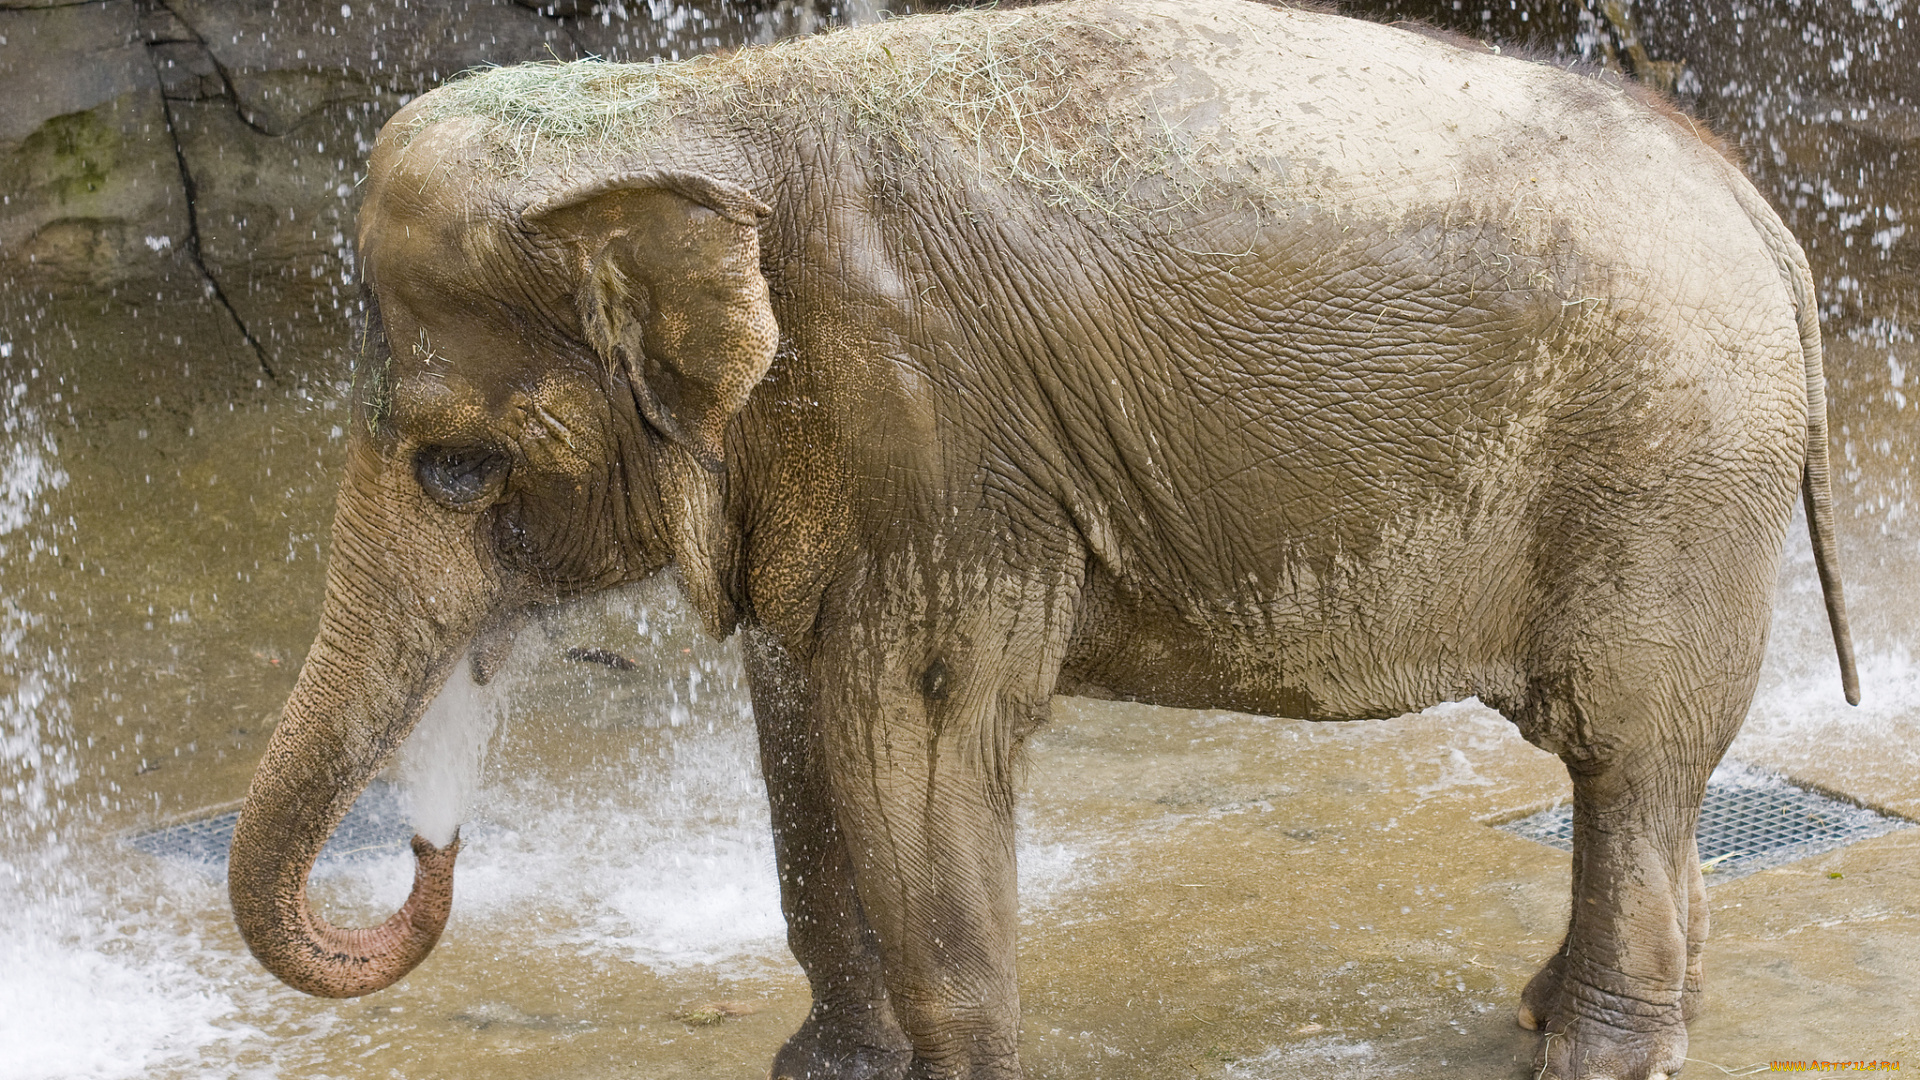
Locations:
(1525, 1018)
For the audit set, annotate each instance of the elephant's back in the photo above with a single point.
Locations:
(1266, 167)
(1556, 259)
(1337, 250)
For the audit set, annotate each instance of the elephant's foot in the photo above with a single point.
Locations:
(1540, 1001)
(1624, 1044)
(872, 1048)
(1584, 1049)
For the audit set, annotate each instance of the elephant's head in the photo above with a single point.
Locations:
(545, 378)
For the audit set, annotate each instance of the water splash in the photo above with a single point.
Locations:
(441, 762)
(83, 994)
(36, 758)
(95, 997)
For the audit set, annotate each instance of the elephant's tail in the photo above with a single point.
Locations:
(1816, 486)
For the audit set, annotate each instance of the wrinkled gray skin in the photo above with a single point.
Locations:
(1406, 373)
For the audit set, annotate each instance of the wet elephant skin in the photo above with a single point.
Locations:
(1214, 355)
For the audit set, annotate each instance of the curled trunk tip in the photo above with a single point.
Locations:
(309, 954)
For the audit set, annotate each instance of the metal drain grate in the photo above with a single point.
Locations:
(1749, 821)
(377, 825)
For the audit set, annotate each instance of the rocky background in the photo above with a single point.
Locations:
(177, 177)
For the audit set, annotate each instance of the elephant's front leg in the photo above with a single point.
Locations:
(921, 719)
(850, 1032)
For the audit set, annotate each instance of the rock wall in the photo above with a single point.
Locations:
(177, 176)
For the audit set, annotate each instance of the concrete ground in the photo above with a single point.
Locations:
(1220, 896)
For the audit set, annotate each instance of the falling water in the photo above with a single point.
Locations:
(36, 752)
(77, 997)
(440, 761)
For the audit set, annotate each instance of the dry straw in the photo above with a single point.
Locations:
(1039, 96)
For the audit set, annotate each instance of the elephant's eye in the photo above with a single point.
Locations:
(461, 477)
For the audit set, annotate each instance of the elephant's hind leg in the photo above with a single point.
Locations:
(1541, 997)
(1654, 590)
(1613, 1002)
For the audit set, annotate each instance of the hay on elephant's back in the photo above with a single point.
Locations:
(1038, 96)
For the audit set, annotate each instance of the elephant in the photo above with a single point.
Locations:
(1210, 353)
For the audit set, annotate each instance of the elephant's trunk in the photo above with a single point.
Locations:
(312, 955)
(291, 810)
(391, 631)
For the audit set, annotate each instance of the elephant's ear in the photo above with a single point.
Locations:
(670, 293)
